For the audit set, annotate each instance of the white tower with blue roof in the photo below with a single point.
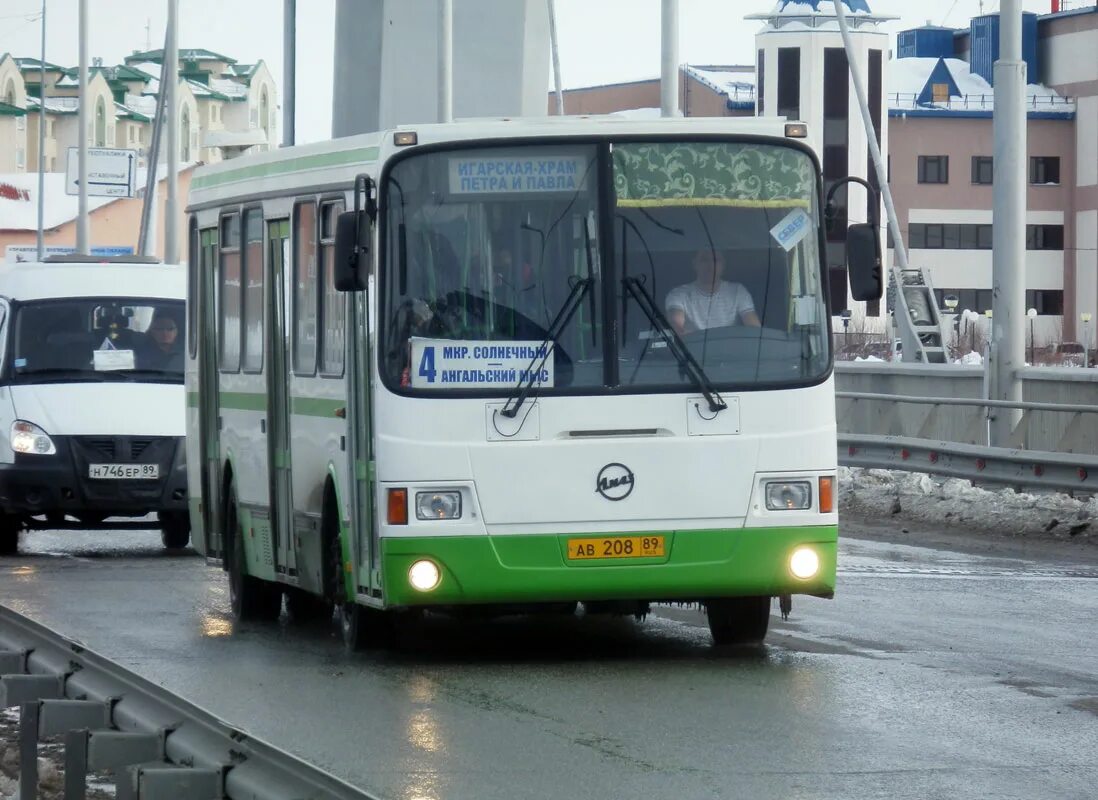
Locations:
(803, 74)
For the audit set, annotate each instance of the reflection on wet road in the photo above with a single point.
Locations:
(931, 674)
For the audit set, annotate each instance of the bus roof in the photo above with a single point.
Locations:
(332, 165)
(43, 281)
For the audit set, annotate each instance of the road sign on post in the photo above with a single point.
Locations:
(111, 173)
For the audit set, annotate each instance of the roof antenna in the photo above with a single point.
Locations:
(148, 34)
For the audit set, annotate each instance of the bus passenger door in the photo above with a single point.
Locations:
(209, 409)
(362, 453)
(278, 399)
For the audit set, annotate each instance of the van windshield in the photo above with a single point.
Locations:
(97, 339)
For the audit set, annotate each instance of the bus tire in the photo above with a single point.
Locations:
(175, 529)
(249, 597)
(9, 534)
(364, 628)
(738, 620)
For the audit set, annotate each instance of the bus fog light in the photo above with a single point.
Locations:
(788, 495)
(804, 563)
(438, 505)
(424, 575)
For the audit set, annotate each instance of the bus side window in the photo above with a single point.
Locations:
(229, 294)
(306, 283)
(253, 270)
(332, 302)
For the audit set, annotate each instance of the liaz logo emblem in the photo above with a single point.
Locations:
(615, 482)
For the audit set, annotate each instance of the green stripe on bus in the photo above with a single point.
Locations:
(284, 167)
(315, 407)
(257, 401)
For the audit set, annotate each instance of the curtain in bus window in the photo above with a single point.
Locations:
(306, 281)
(229, 293)
(723, 238)
(253, 293)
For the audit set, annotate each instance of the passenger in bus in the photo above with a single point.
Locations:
(163, 351)
(709, 301)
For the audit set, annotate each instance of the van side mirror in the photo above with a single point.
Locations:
(352, 252)
(863, 262)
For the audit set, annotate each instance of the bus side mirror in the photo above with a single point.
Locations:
(863, 262)
(352, 252)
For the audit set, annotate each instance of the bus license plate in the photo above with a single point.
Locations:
(616, 547)
(125, 472)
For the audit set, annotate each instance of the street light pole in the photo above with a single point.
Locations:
(1085, 317)
(1007, 351)
(82, 139)
(41, 240)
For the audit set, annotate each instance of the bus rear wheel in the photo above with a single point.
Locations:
(250, 598)
(738, 620)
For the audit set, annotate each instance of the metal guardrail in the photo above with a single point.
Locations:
(159, 746)
(1020, 469)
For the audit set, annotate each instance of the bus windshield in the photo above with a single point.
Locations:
(712, 243)
(98, 339)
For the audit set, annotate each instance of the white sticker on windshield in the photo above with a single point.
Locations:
(107, 360)
(789, 232)
(450, 364)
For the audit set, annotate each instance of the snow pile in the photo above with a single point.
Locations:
(958, 502)
(908, 78)
(869, 358)
(970, 358)
(736, 85)
(19, 201)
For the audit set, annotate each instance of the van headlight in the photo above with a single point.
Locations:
(438, 505)
(28, 438)
(788, 495)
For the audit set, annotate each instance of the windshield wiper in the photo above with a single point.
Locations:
(518, 395)
(56, 374)
(675, 344)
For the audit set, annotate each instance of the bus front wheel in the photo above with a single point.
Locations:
(738, 620)
(249, 597)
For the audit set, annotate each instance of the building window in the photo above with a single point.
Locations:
(789, 82)
(253, 290)
(185, 134)
(1044, 170)
(836, 135)
(760, 94)
(1048, 302)
(1044, 237)
(933, 169)
(100, 137)
(306, 283)
(332, 302)
(983, 170)
(264, 111)
(940, 92)
(229, 294)
(949, 236)
(20, 158)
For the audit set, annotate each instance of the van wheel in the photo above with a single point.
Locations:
(9, 535)
(738, 620)
(250, 598)
(175, 529)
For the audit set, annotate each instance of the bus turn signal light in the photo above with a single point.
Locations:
(398, 507)
(827, 495)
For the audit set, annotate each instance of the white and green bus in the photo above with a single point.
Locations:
(517, 364)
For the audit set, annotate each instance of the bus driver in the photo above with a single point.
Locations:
(710, 302)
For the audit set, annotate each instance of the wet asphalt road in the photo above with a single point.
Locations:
(932, 675)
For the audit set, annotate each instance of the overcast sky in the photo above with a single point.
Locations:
(601, 41)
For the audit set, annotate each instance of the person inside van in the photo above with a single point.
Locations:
(164, 351)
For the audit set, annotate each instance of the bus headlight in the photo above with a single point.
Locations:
(788, 495)
(438, 505)
(26, 437)
(424, 575)
(804, 563)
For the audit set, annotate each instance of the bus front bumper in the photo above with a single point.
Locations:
(536, 568)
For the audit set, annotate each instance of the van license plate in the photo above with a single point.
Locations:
(125, 472)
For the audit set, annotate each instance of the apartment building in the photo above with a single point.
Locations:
(225, 110)
(933, 103)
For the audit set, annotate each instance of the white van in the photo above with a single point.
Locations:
(92, 405)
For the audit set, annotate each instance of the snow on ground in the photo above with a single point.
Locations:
(957, 502)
